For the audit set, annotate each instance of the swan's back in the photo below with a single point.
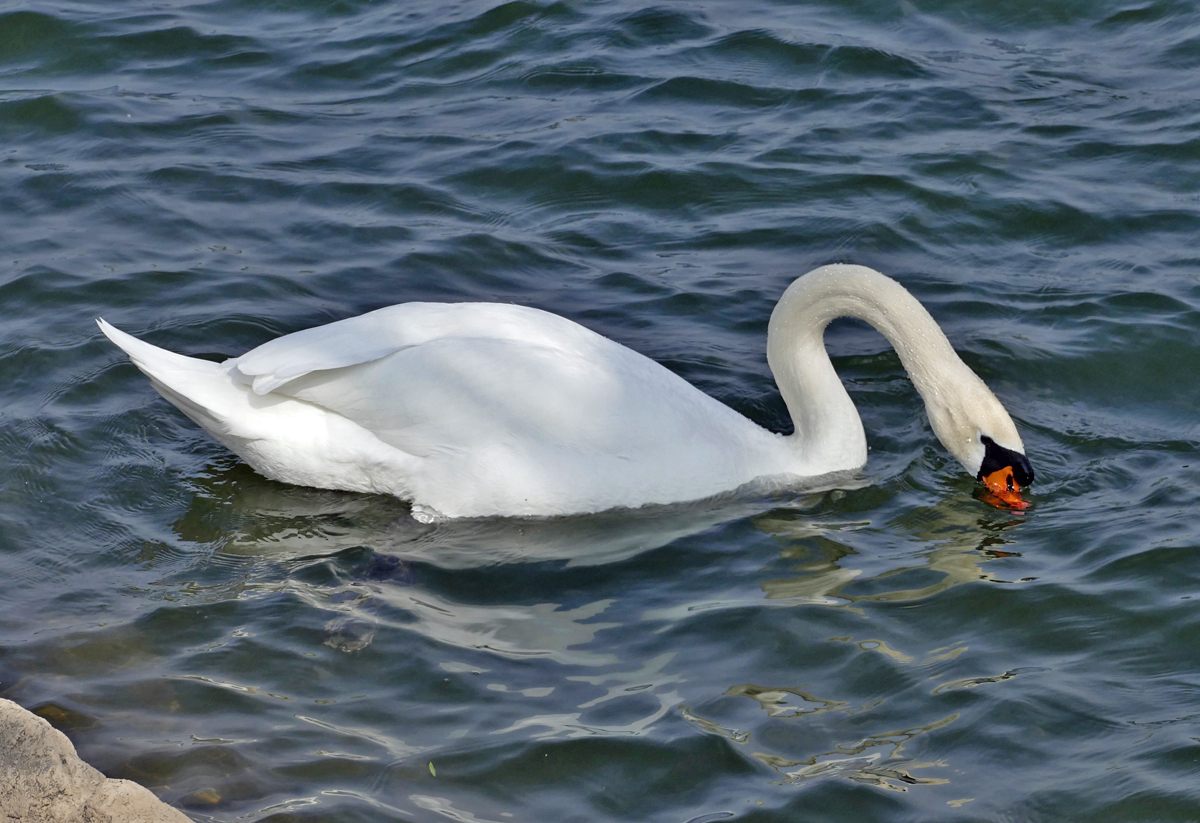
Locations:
(379, 333)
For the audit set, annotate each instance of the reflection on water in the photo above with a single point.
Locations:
(877, 760)
(247, 516)
(619, 684)
(961, 541)
(953, 545)
(540, 630)
(570, 725)
(714, 728)
(243, 514)
(780, 702)
(972, 682)
(372, 584)
(445, 808)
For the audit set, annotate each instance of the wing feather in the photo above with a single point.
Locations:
(377, 334)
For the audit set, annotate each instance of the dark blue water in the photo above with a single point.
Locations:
(209, 175)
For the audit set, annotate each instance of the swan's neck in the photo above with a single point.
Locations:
(828, 429)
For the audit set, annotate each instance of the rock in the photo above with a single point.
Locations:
(42, 780)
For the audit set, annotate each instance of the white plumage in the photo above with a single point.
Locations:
(487, 409)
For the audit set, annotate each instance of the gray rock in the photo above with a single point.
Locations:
(42, 780)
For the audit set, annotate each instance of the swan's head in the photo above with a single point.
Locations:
(1004, 472)
(976, 429)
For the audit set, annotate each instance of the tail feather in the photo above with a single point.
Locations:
(200, 389)
(280, 437)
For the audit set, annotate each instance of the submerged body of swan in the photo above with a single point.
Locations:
(480, 409)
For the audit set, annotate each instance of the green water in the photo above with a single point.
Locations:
(209, 175)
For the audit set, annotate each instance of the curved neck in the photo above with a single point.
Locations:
(828, 428)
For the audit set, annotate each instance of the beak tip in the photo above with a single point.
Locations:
(1003, 491)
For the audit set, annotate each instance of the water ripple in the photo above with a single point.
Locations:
(214, 174)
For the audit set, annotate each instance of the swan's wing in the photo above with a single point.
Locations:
(508, 409)
(473, 378)
(510, 426)
(380, 333)
(479, 393)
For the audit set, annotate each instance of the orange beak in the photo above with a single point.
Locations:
(1005, 491)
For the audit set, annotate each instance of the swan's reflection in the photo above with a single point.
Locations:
(540, 630)
(838, 556)
(243, 514)
(961, 540)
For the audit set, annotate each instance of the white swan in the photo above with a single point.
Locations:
(479, 409)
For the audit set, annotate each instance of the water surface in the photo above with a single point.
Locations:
(211, 174)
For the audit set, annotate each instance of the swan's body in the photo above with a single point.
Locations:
(478, 409)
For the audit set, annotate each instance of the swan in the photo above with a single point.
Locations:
(484, 409)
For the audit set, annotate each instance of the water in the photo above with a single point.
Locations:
(211, 174)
